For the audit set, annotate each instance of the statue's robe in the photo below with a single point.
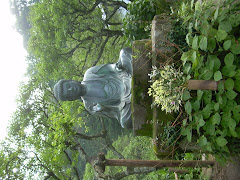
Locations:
(109, 89)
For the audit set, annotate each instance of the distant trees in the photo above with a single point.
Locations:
(47, 138)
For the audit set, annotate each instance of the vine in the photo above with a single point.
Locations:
(213, 39)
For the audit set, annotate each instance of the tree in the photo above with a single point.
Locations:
(63, 38)
(66, 33)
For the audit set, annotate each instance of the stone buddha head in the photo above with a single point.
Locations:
(69, 90)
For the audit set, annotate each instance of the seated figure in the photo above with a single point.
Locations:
(105, 89)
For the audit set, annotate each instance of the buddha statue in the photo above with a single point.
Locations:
(105, 89)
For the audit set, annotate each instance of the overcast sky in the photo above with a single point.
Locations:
(12, 65)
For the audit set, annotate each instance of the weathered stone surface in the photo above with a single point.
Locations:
(146, 120)
(141, 102)
(162, 48)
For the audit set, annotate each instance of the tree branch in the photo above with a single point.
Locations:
(70, 160)
(101, 51)
(109, 143)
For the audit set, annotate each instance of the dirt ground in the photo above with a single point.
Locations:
(229, 172)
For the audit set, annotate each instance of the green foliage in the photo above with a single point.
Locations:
(88, 173)
(64, 38)
(137, 21)
(213, 39)
(194, 173)
(177, 34)
(138, 147)
(167, 88)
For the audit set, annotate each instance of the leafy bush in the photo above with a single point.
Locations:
(88, 173)
(137, 22)
(177, 34)
(213, 38)
(167, 88)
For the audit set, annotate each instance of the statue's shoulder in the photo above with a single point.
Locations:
(98, 71)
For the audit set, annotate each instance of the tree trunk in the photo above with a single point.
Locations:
(156, 163)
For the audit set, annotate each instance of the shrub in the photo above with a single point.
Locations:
(167, 88)
(137, 22)
(213, 39)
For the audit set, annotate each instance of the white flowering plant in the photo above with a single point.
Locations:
(167, 87)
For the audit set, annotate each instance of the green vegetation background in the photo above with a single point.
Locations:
(48, 139)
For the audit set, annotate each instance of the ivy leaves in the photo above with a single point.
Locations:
(213, 54)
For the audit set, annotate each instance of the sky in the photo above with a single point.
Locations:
(12, 65)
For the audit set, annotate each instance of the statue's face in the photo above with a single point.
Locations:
(72, 90)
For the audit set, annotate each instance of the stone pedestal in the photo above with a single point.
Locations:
(162, 48)
(149, 121)
(141, 102)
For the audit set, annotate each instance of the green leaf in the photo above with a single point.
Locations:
(207, 96)
(187, 67)
(217, 76)
(230, 105)
(199, 94)
(187, 132)
(217, 62)
(225, 119)
(189, 39)
(208, 74)
(231, 94)
(204, 28)
(232, 124)
(231, 73)
(221, 141)
(216, 106)
(236, 113)
(238, 131)
(224, 101)
(235, 49)
(229, 84)
(228, 70)
(189, 136)
(207, 111)
(219, 99)
(201, 122)
(189, 56)
(196, 105)
(237, 75)
(225, 25)
(237, 85)
(202, 141)
(210, 64)
(195, 43)
(211, 44)
(194, 58)
(233, 133)
(209, 128)
(216, 13)
(228, 60)
(186, 95)
(198, 7)
(225, 148)
(208, 147)
(227, 44)
(221, 35)
(188, 107)
(203, 43)
(212, 32)
(216, 118)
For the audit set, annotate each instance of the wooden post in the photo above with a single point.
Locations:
(101, 163)
(202, 85)
(156, 163)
